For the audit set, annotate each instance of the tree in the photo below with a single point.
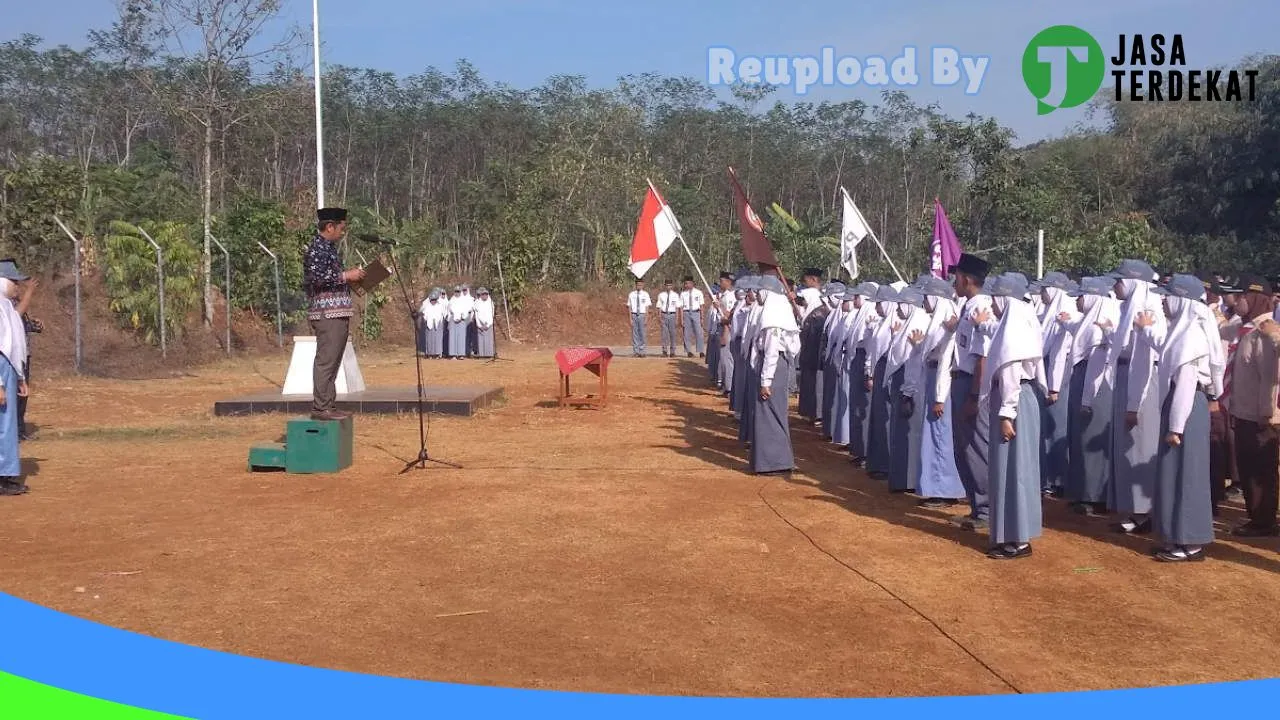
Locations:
(202, 84)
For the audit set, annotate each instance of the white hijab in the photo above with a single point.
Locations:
(882, 335)
(1085, 333)
(484, 312)
(1050, 329)
(1217, 353)
(13, 334)
(1186, 342)
(433, 313)
(857, 323)
(777, 315)
(1017, 340)
(944, 310)
(1139, 299)
(833, 328)
(900, 347)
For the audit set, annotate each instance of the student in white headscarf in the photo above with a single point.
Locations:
(484, 314)
(928, 385)
(459, 316)
(745, 284)
(855, 321)
(835, 419)
(914, 319)
(777, 343)
(1183, 504)
(1089, 465)
(13, 384)
(879, 457)
(1136, 419)
(433, 312)
(1056, 335)
(813, 326)
(1014, 367)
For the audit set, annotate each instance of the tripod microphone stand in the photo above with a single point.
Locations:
(423, 456)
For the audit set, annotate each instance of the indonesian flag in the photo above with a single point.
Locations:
(655, 232)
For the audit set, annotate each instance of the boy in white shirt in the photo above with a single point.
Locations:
(638, 303)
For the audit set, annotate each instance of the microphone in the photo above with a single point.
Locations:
(376, 239)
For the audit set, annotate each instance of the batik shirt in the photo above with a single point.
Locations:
(328, 294)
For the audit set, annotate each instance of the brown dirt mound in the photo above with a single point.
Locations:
(598, 316)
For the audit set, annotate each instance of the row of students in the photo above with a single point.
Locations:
(994, 392)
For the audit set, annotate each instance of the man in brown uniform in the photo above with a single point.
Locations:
(1252, 384)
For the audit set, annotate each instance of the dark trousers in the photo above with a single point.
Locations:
(1222, 458)
(1258, 457)
(22, 401)
(331, 341)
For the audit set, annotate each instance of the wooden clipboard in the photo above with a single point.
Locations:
(374, 274)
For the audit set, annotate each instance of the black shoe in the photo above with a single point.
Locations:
(701, 355)
(690, 354)
(972, 524)
(1129, 527)
(1009, 552)
(936, 503)
(1180, 555)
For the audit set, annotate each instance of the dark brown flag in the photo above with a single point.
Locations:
(755, 245)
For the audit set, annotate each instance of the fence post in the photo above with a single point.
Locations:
(75, 244)
(226, 257)
(164, 347)
(275, 262)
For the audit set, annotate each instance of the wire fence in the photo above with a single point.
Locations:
(162, 319)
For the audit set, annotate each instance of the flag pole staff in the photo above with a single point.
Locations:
(680, 236)
(872, 233)
(733, 174)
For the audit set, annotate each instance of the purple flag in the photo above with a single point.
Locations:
(945, 250)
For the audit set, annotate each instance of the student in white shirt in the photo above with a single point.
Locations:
(638, 303)
(691, 303)
(669, 312)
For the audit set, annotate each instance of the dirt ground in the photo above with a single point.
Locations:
(620, 550)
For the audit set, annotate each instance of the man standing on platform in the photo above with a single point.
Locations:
(329, 308)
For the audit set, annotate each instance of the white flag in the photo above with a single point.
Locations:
(852, 231)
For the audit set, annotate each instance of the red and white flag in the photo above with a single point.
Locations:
(655, 232)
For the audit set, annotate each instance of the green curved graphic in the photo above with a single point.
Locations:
(22, 699)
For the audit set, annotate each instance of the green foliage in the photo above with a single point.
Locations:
(371, 321)
(132, 282)
(251, 221)
(33, 192)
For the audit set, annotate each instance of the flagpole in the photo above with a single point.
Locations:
(315, 44)
(872, 233)
(680, 236)
(733, 175)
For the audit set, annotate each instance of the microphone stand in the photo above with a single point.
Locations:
(423, 456)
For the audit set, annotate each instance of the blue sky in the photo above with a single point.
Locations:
(524, 42)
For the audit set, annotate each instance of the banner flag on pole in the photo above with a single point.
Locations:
(755, 245)
(853, 230)
(945, 250)
(656, 230)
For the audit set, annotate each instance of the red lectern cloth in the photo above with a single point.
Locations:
(570, 359)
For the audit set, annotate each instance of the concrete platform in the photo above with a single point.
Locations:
(439, 399)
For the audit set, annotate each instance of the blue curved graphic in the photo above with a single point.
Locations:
(84, 657)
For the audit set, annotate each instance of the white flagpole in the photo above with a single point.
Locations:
(1040, 254)
(872, 233)
(680, 236)
(315, 44)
